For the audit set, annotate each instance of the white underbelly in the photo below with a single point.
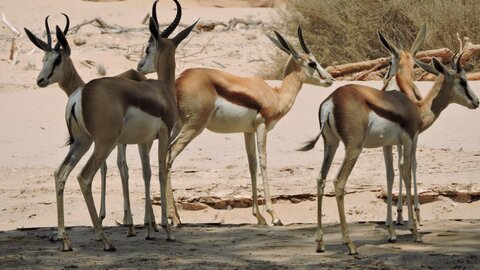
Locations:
(139, 127)
(382, 132)
(228, 117)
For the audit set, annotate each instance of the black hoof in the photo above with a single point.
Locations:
(110, 249)
(69, 249)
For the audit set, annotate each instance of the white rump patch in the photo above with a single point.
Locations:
(75, 99)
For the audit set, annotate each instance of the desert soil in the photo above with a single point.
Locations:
(212, 173)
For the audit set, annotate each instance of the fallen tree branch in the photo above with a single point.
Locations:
(469, 50)
(340, 70)
(364, 74)
(9, 25)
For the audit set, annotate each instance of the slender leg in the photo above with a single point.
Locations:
(123, 169)
(252, 166)
(330, 148)
(172, 211)
(103, 174)
(409, 147)
(387, 154)
(76, 152)
(193, 126)
(400, 182)
(349, 161)
(415, 191)
(100, 153)
(144, 151)
(262, 156)
(163, 143)
(147, 167)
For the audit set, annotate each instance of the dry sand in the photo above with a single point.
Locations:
(215, 165)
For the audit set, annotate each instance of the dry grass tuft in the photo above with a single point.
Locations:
(345, 31)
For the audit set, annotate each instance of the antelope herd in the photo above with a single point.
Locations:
(126, 109)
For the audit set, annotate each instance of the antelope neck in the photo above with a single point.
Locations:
(293, 79)
(71, 81)
(434, 103)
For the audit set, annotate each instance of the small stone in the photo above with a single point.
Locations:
(295, 200)
(193, 206)
(79, 41)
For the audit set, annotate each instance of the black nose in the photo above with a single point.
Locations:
(41, 82)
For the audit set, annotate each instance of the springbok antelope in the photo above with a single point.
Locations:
(400, 77)
(145, 152)
(109, 111)
(58, 68)
(226, 103)
(361, 116)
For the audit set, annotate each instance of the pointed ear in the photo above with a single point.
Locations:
(153, 28)
(278, 44)
(439, 66)
(287, 45)
(42, 45)
(184, 33)
(428, 68)
(62, 40)
(419, 40)
(388, 45)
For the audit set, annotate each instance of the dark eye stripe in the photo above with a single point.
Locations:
(463, 83)
(312, 64)
(57, 62)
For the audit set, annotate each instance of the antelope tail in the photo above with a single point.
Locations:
(309, 145)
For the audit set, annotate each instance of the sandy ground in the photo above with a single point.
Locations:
(214, 166)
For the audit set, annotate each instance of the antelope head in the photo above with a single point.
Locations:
(455, 85)
(148, 63)
(403, 58)
(56, 58)
(306, 60)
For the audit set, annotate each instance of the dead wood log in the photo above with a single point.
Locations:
(444, 53)
(469, 50)
(341, 70)
(474, 76)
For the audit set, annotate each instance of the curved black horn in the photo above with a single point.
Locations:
(154, 12)
(175, 22)
(302, 41)
(47, 30)
(65, 31)
(67, 25)
(453, 62)
(458, 65)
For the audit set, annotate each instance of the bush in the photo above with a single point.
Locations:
(345, 31)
